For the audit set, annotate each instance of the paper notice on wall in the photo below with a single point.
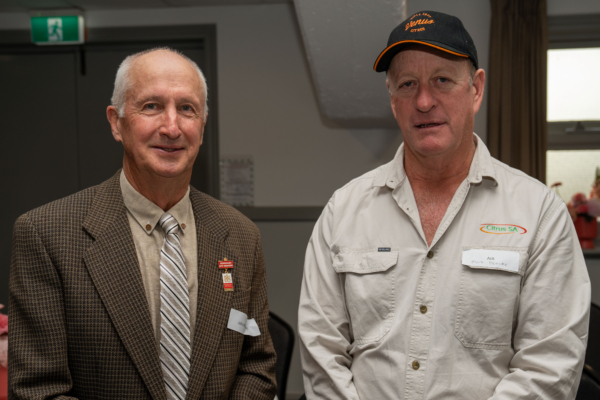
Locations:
(237, 180)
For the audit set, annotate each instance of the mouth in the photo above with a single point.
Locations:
(429, 125)
(168, 149)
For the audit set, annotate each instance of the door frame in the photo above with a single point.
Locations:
(19, 41)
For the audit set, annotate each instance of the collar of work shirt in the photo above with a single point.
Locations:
(393, 176)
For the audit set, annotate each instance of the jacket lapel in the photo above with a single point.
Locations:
(213, 301)
(113, 265)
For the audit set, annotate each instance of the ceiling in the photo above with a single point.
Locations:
(30, 5)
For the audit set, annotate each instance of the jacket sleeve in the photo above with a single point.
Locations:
(37, 351)
(323, 322)
(255, 377)
(551, 333)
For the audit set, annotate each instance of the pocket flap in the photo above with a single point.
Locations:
(364, 261)
(509, 259)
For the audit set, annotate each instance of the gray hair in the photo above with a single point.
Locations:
(123, 81)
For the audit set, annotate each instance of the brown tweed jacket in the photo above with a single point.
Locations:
(79, 319)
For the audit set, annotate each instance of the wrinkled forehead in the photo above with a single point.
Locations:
(163, 65)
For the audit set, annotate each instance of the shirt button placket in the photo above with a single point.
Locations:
(421, 329)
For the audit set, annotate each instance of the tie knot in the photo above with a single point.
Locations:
(168, 223)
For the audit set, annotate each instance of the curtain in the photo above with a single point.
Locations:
(517, 128)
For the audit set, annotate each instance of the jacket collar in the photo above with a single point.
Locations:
(112, 263)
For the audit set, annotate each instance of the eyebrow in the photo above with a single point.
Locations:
(155, 97)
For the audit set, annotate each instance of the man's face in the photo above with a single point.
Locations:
(433, 100)
(163, 123)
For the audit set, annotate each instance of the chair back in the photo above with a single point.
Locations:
(592, 354)
(282, 335)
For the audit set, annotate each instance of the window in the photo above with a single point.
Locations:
(573, 108)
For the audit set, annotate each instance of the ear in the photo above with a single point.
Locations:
(202, 129)
(478, 89)
(113, 118)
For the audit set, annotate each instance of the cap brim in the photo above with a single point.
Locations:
(384, 59)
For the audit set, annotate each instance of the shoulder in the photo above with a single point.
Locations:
(528, 193)
(68, 213)
(70, 207)
(520, 183)
(364, 186)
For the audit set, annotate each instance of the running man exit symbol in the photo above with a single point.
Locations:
(55, 31)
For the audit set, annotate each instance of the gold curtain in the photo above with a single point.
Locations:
(517, 128)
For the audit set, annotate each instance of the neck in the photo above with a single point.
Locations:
(438, 173)
(164, 192)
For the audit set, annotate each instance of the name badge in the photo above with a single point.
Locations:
(491, 259)
(239, 322)
(227, 282)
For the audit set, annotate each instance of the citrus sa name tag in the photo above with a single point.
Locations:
(491, 259)
(239, 322)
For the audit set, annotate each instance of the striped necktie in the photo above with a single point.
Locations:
(175, 346)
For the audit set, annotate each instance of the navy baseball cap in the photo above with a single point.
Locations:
(438, 30)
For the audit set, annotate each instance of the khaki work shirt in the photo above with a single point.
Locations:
(142, 213)
(497, 307)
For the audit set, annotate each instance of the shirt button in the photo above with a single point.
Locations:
(423, 309)
(148, 227)
(416, 365)
(430, 254)
(183, 226)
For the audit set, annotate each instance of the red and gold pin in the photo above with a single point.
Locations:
(227, 279)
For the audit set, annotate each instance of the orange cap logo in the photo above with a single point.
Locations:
(427, 20)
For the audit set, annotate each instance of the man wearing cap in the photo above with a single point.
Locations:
(443, 274)
(117, 291)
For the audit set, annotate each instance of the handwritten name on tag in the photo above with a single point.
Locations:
(239, 322)
(491, 259)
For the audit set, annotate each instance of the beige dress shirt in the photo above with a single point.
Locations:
(497, 307)
(148, 237)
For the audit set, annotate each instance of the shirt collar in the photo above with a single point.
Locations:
(147, 214)
(393, 174)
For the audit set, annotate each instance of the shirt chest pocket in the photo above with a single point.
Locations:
(367, 276)
(490, 286)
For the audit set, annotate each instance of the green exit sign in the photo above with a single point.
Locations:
(57, 30)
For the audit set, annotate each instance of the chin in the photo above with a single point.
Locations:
(170, 172)
(430, 146)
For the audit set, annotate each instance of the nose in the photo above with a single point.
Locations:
(171, 124)
(425, 100)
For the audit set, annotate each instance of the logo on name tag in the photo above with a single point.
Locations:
(502, 229)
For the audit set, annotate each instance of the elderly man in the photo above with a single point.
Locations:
(137, 288)
(443, 274)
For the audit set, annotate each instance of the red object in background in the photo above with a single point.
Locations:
(3, 383)
(586, 232)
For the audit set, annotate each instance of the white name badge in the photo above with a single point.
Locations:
(491, 259)
(239, 322)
